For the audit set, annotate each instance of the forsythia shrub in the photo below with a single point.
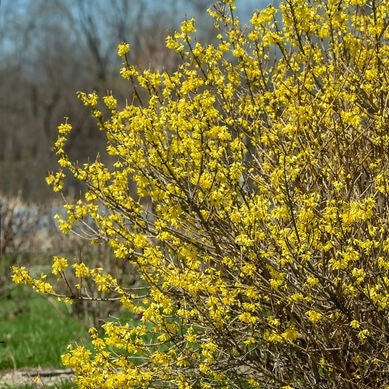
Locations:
(264, 249)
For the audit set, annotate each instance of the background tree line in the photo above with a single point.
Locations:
(52, 48)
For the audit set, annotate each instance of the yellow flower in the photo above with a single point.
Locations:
(123, 49)
(80, 270)
(188, 26)
(355, 324)
(314, 316)
(21, 276)
(64, 128)
(363, 334)
(110, 102)
(290, 334)
(59, 265)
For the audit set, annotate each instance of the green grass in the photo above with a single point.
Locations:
(35, 330)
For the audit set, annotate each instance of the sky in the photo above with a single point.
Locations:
(12, 11)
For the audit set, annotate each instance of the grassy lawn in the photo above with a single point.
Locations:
(35, 330)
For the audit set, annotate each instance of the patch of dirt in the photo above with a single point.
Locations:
(40, 378)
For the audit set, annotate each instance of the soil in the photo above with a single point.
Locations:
(40, 378)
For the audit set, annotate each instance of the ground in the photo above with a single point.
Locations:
(36, 377)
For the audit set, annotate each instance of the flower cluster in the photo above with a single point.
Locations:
(260, 226)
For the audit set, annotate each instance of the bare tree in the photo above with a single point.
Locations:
(52, 48)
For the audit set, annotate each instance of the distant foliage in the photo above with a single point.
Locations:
(260, 225)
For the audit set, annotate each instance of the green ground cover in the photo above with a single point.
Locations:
(35, 330)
